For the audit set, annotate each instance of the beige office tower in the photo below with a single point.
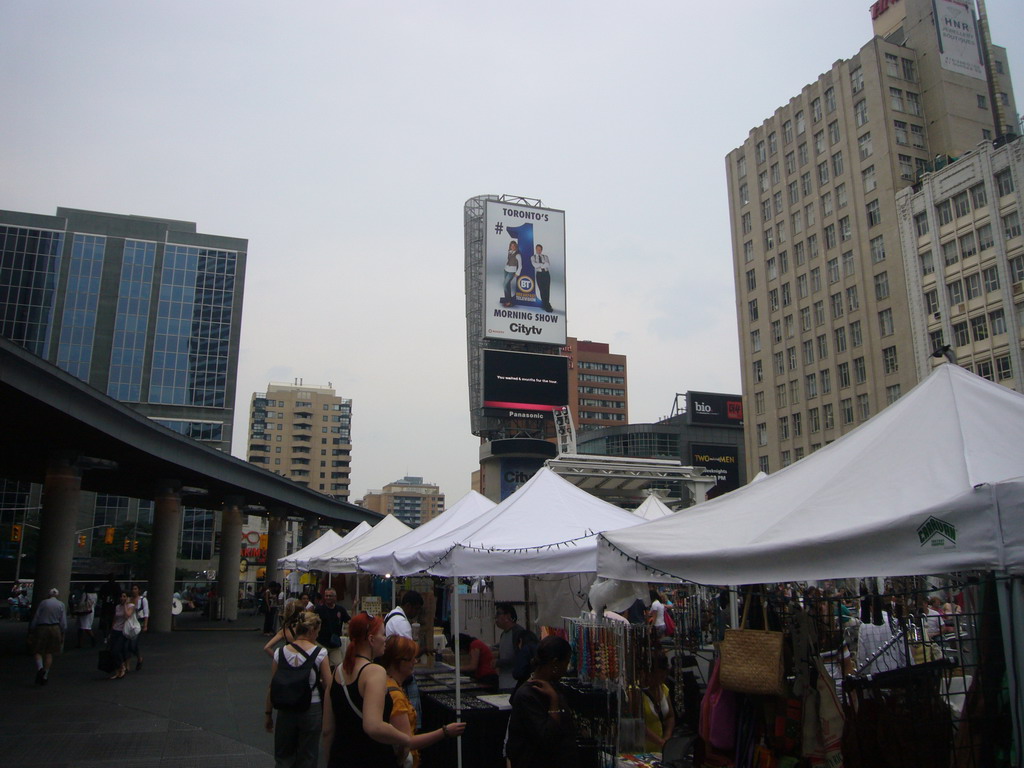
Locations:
(827, 327)
(411, 500)
(303, 433)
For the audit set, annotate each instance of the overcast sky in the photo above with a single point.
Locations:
(343, 138)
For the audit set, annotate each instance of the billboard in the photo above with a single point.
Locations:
(959, 49)
(524, 273)
(716, 409)
(524, 385)
(722, 461)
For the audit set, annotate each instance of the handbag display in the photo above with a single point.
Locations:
(752, 658)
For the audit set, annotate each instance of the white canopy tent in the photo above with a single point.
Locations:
(342, 559)
(466, 511)
(653, 508)
(329, 540)
(548, 526)
(932, 484)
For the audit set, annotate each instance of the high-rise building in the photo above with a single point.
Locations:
(304, 433)
(146, 310)
(411, 500)
(598, 391)
(821, 289)
(960, 229)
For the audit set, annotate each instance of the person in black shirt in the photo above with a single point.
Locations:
(541, 732)
(333, 617)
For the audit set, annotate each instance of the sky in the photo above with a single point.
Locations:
(343, 138)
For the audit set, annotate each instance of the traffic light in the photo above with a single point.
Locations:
(127, 544)
(108, 537)
(135, 545)
(16, 532)
(81, 539)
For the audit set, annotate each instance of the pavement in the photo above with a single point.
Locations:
(198, 701)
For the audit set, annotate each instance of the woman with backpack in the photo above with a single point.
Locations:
(296, 695)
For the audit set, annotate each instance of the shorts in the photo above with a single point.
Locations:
(47, 639)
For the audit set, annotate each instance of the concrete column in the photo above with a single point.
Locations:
(230, 556)
(276, 529)
(166, 544)
(61, 490)
(310, 528)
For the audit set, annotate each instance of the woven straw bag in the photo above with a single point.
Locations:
(752, 658)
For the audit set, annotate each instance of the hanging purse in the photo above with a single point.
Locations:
(752, 658)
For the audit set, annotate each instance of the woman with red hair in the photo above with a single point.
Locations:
(357, 730)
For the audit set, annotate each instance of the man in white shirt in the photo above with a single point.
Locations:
(48, 625)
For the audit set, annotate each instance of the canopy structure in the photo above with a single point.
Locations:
(342, 559)
(653, 508)
(934, 483)
(329, 540)
(548, 526)
(466, 511)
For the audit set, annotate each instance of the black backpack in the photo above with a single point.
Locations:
(289, 688)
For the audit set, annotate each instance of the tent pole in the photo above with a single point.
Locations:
(458, 663)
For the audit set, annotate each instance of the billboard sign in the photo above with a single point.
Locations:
(524, 273)
(722, 461)
(715, 409)
(959, 49)
(524, 385)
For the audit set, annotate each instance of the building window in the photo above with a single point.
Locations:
(801, 123)
(917, 136)
(885, 323)
(950, 253)
(844, 229)
(896, 99)
(833, 132)
(860, 111)
(819, 313)
(982, 101)
(961, 336)
(760, 152)
(751, 280)
(744, 193)
(972, 284)
(825, 376)
(863, 407)
(979, 328)
(762, 464)
(961, 204)
(776, 174)
(759, 403)
(783, 428)
(822, 346)
(808, 352)
(1011, 225)
(868, 177)
(874, 212)
(955, 289)
(890, 364)
(773, 143)
(921, 224)
(1016, 266)
(830, 100)
(882, 285)
(1004, 182)
(837, 164)
(901, 134)
(813, 420)
(909, 70)
(815, 110)
(892, 65)
(968, 245)
(846, 410)
(773, 300)
(856, 80)
(840, 340)
(830, 237)
(829, 417)
(997, 321)
(913, 103)
(931, 302)
(833, 270)
(856, 339)
(927, 263)
(762, 434)
(841, 195)
(752, 310)
(892, 394)
(776, 332)
(984, 369)
(779, 363)
(836, 303)
(843, 375)
(822, 173)
(877, 246)
(906, 167)
(985, 239)
(1004, 370)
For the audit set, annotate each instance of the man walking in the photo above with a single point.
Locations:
(399, 622)
(332, 617)
(507, 620)
(48, 626)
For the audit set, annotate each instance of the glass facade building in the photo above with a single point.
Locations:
(146, 310)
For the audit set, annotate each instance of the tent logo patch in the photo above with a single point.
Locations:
(937, 533)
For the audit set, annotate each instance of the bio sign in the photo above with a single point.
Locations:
(524, 273)
(712, 408)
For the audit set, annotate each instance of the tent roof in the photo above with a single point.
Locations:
(342, 558)
(653, 508)
(388, 558)
(329, 540)
(933, 483)
(547, 526)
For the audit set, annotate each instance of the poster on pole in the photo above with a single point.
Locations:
(524, 273)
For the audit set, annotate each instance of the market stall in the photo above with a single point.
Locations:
(933, 484)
